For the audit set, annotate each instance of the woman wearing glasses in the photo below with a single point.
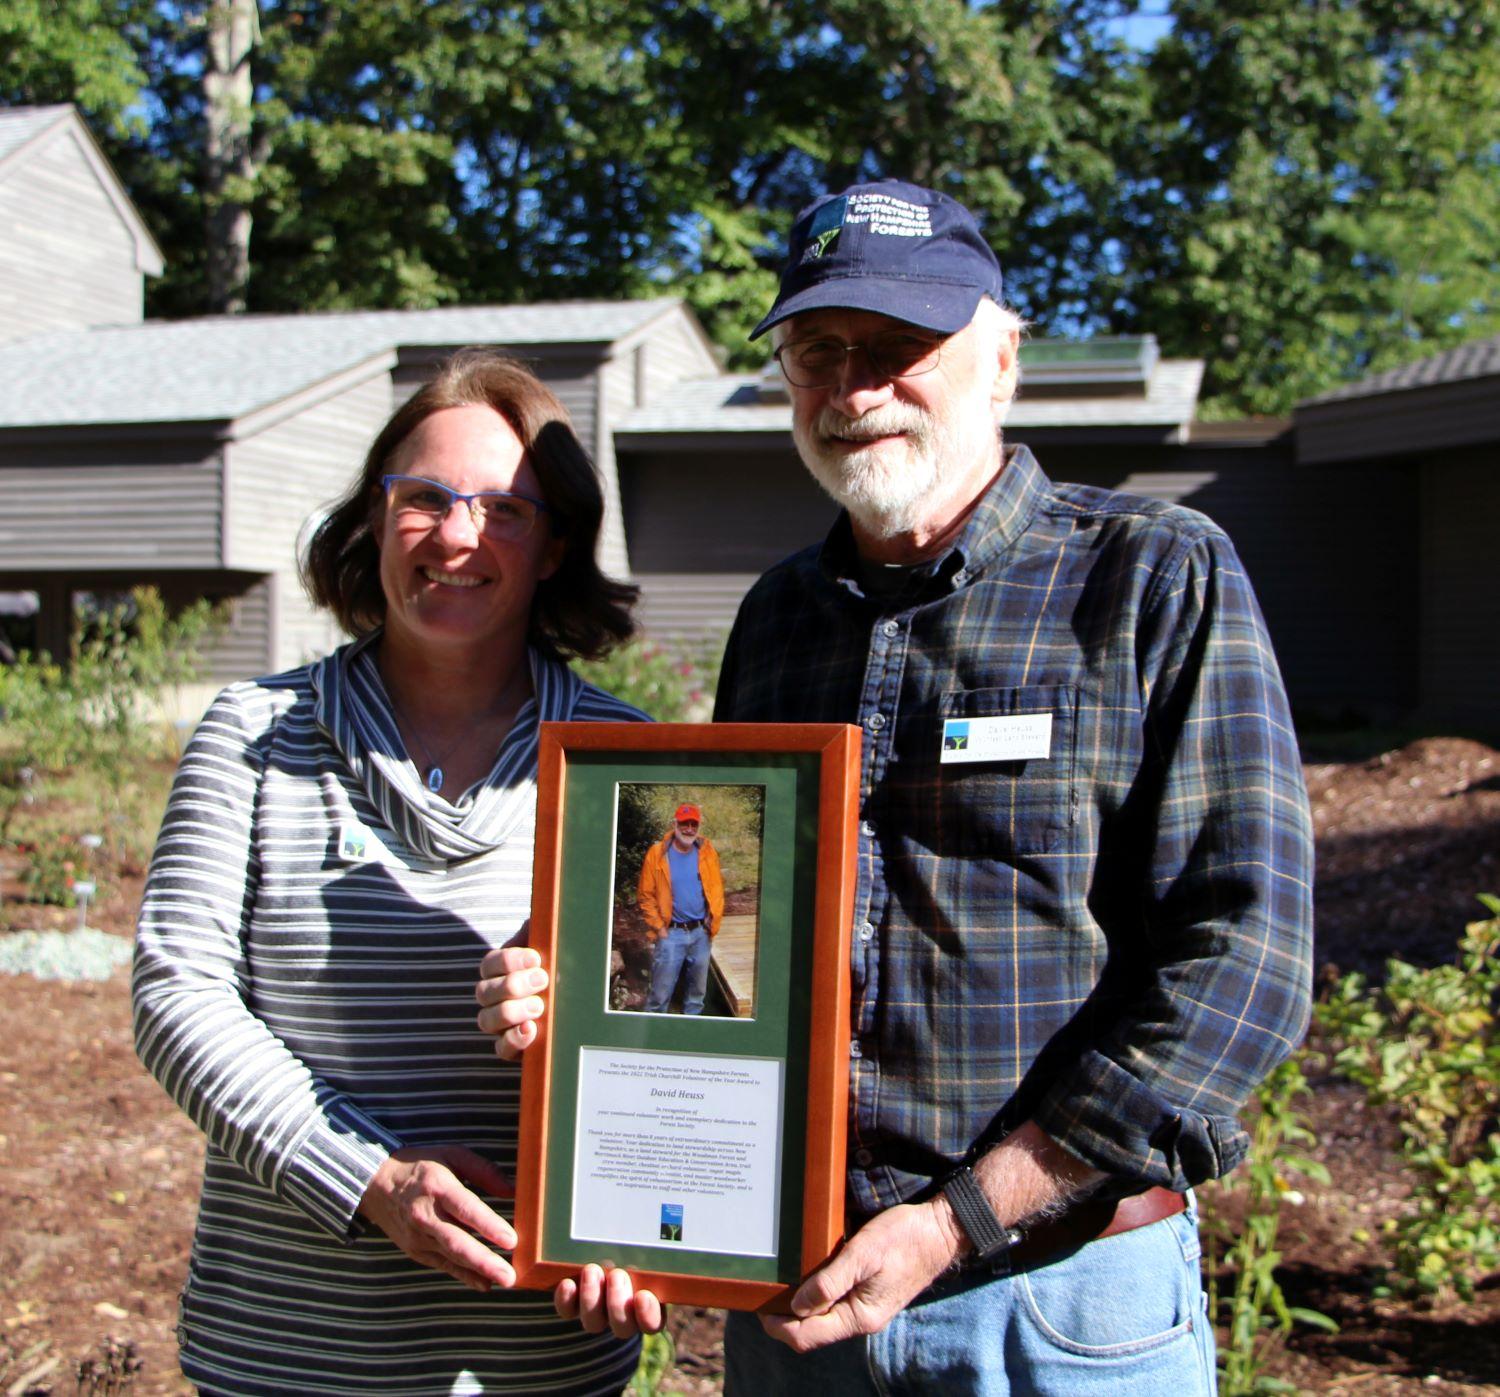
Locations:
(343, 843)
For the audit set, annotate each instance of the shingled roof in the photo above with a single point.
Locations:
(1445, 402)
(1479, 359)
(219, 368)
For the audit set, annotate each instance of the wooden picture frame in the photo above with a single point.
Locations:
(733, 1122)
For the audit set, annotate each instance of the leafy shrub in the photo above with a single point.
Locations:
(658, 1353)
(1255, 1313)
(673, 685)
(1427, 1043)
(40, 731)
(94, 724)
(51, 866)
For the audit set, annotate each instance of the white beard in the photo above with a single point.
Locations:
(892, 487)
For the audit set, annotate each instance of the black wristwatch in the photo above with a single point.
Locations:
(990, 1238)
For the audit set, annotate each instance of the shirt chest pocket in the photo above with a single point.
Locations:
(1009, 806)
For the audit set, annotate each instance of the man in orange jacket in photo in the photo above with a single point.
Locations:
(681, 896)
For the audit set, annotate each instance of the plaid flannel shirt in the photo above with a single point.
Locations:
(1113, 940)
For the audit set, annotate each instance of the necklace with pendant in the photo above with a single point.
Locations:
(434, 777)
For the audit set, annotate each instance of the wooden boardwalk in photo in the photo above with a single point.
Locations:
(734, 950)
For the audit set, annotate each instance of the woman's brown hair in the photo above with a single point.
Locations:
(578, 611)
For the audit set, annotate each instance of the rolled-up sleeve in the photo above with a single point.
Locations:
(1225, 924)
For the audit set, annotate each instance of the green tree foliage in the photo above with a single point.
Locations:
(1317, 194)
(419, 152)
(1296, 193)
(672, 686)
(71, 51)
(733, 818)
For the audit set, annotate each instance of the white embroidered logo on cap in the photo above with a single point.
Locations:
(895, 217)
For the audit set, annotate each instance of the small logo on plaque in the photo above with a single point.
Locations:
(671, 1222)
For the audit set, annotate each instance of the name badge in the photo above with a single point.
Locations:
(356, 843)
(1016, 737)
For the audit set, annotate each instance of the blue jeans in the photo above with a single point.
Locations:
(679, 951)
(1123, 1317)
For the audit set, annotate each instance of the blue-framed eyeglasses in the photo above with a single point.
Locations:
(496, 513)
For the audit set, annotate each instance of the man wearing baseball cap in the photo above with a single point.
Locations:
(1083, 910)
(681, 896)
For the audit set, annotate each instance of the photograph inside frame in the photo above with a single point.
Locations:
(685, 909)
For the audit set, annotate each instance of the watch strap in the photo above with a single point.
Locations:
(990, 1238)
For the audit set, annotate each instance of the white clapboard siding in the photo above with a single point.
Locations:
(242, 649)
(691, 609)
(67, 259)
(281, 481)
(302, 633)
(575, 381)
(669, 348)
(83, 518)
(672, 348)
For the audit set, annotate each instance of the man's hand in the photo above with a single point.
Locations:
(891, 1260)
(895, 1256)
(601, 1299)
(419, 1198)
(511, 980)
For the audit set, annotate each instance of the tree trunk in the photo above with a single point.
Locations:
(233, 29)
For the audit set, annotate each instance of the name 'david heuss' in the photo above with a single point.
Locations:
(678, 1091)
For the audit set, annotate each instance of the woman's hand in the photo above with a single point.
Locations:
(511, 980)
(421, 1200)
(510, 983)
(607, 1299)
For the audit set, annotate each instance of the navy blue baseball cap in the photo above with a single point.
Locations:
(890, 247)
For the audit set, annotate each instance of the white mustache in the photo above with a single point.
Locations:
(889, 420)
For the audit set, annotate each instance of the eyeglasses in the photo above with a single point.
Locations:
(496, 513)
(687, 824)
(819, 363)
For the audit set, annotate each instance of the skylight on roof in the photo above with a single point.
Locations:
(1108, 366)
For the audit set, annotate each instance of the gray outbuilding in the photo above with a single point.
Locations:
(195, 455)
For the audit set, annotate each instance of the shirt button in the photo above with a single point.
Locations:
(960, 577)
(891, 628)
(863, 1157)
(866, 931)
(854, 1049)
(875, 722)
(866, 828)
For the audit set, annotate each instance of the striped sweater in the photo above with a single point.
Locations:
(304, 989)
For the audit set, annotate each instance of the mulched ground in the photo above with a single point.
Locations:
(100, 1177)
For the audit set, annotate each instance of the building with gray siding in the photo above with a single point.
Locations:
(205, 449)
(195, 455)
(1420, 446)
(73, 249)
(714, 493)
